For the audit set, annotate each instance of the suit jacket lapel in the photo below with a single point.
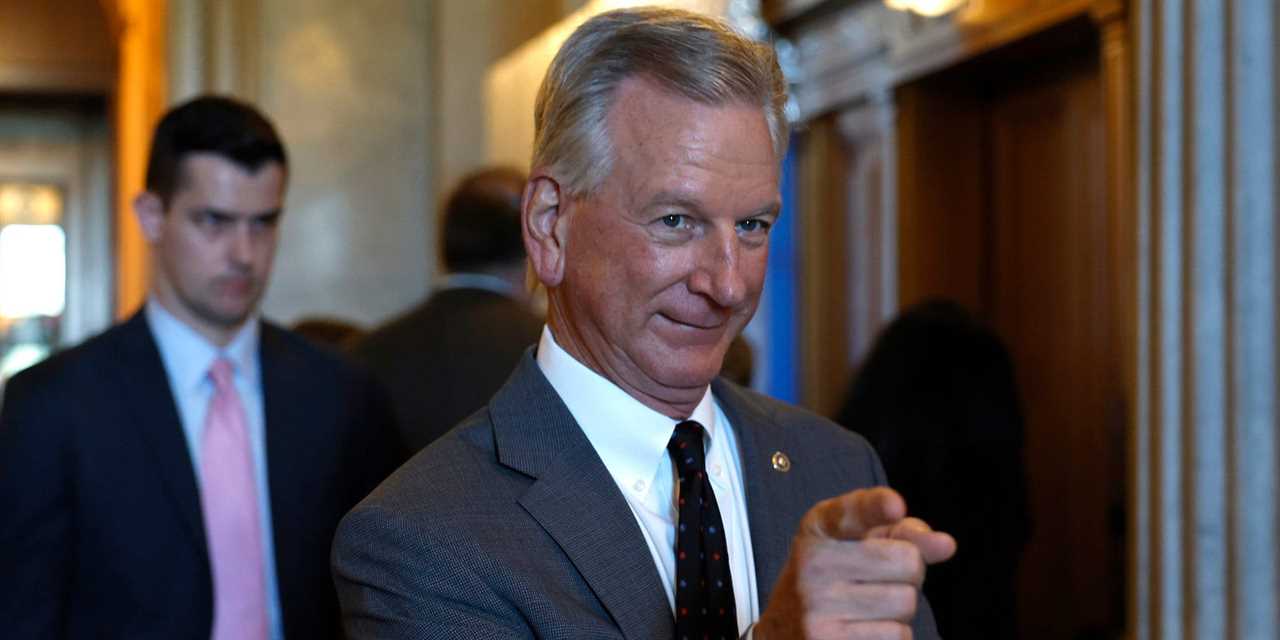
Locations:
(285, 423)
(577, 502)
(772, 505)
(146, 388)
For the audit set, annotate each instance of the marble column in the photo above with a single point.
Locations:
(213, 47)
(1205, 472)
(872, 188)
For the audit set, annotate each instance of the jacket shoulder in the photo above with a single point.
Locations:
(798, 421)
(78, 363)
(455, 479)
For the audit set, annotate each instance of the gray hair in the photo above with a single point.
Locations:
(689, 54)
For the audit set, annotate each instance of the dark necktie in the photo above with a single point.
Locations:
(704, 588)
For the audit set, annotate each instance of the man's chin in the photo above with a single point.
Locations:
(687, 377)
(228, 318)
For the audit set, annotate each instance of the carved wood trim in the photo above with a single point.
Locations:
(824, 318)
(949, 43)
(864, 47)
(1118, 94)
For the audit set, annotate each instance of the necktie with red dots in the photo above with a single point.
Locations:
(704, 587)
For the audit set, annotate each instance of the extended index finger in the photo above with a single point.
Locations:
(851, 516)
(935, 546)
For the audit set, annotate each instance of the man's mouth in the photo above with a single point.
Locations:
(236, 285)
(707, 323)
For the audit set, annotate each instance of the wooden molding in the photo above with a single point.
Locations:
(864, 47)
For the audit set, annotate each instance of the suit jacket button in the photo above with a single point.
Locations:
(781, 462)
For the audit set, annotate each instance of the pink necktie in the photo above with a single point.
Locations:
(230, 501)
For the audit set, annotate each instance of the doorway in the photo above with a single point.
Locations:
(55, 225)
(1003, 207)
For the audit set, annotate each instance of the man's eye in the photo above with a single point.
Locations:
(268, 222)
(753, 225)
(211, 220)
(673, 220)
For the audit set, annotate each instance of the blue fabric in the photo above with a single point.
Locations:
(780, 294)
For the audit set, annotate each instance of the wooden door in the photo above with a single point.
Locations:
(1003, 207)
(1049, 298)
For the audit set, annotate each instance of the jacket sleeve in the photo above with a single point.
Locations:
(394, 582)
(37, 534)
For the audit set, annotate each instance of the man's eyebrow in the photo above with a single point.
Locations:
(266, 215)
(222, 213)
(669, 199)
(772, 209)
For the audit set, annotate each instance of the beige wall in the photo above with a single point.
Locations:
(348, 84)
(511, 84)
(470, 36)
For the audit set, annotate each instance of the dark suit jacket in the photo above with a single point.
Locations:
(101, 532)
(444, 359)
(511, 527)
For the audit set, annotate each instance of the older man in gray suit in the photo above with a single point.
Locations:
(614, 488)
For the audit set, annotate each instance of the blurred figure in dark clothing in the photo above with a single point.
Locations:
(739, 362)
(329, 332)
(443, 359)
(937, 398)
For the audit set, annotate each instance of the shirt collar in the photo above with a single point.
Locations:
(472, 280)
(630, 438)
(188, 355)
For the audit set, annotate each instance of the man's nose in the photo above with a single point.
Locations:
(242, 244)
(719, 271)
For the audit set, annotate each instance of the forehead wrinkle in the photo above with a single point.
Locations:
(649, 154)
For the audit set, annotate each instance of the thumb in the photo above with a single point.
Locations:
(853, 516)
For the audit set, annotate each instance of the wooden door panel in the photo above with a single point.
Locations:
(1049, 299)
(1003, 207)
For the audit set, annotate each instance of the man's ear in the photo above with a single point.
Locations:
(542, 211)
(150, 213)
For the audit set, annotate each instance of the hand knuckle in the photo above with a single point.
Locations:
(902, 601)
(906, 556)
(882, 631)
(916, 567)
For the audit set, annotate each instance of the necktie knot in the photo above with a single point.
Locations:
(686, 448)
(221, 373)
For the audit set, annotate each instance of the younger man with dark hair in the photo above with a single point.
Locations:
(181, 475)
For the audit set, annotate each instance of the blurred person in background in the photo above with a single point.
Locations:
(443, 359)
(739, 362)
(328, 331)
(181, 475)
(937, 398)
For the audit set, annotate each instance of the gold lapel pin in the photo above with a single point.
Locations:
(781, 462)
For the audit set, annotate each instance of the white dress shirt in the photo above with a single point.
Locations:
(187, 358)
(631, 439)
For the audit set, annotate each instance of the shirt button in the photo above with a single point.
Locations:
(715, 470)
(639, 485)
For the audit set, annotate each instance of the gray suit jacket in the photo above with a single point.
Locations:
(510, 526)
